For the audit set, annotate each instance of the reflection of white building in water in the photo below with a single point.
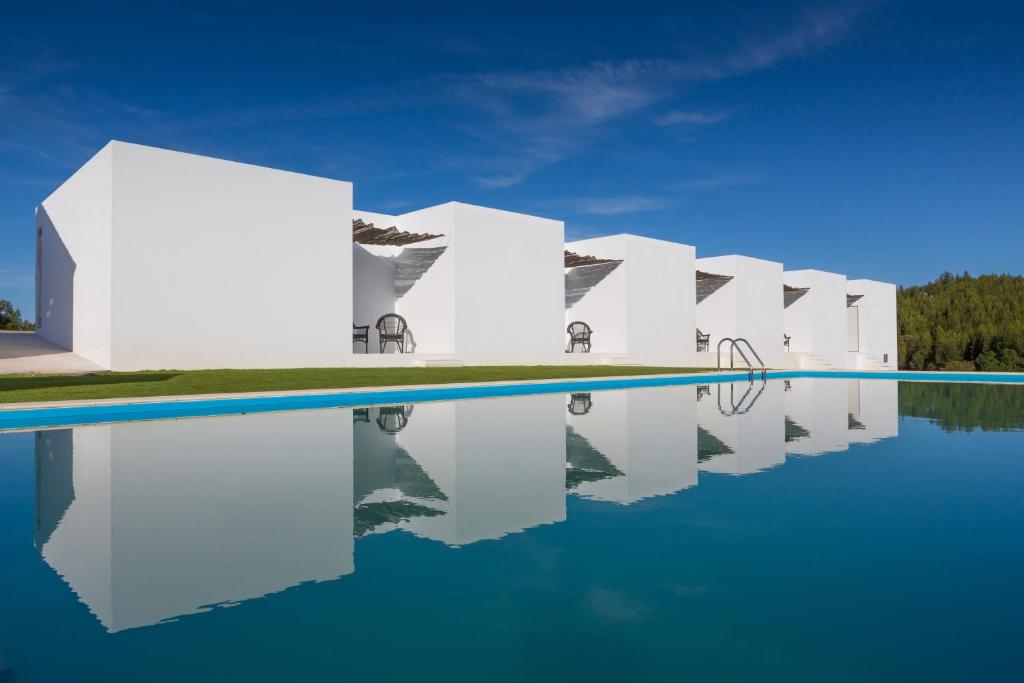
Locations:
(499, 463)
(741, 427)
(873, 410)
(149, 521)
(623, 446)
(817, 420)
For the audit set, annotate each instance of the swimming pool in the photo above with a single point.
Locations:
(801, 529)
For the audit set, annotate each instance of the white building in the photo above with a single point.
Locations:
(747, 304)
(871, 325)
(156, 259)
(150, 259)
(815, 319)
(640, 301)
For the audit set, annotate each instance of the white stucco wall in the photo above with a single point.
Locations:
(219, 264)
(749, 306)
(238, 535)
(429, 307)
(181, 261)
(74, 261)
(510, 286)
(495, 295)
(817, 321)
(877, 314)
(645, 308)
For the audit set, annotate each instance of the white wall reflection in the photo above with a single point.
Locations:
(168, 518)
(149, 521)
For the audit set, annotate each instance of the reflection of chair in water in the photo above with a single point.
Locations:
(360, 414)
(392, 419)
(579, 404)
(703, 390)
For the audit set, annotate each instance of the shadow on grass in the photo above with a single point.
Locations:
(63, 381)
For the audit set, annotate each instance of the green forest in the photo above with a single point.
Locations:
(960, 322)
(10, 318)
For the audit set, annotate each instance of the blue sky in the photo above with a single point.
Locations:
(877, 139)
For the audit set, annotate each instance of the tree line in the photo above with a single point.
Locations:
(961, 322)
(10, 318)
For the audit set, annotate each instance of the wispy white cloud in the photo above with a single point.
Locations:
(605, 206)
(720, 180)
(678, 117)
(544, 116)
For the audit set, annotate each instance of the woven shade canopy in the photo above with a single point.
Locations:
(572, 259)
(367, 233)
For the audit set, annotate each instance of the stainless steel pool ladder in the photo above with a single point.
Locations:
(737, 345)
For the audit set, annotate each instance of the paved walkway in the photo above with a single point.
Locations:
(28, 353)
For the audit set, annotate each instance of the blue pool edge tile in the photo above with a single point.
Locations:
(58, 416)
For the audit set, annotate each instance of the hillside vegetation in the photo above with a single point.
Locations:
(960, 322)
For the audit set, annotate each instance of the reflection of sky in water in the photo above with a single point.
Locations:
(339, 534)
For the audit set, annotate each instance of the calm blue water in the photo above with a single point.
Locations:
(820, 529)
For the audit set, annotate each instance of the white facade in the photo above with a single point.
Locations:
(153, 259)
(157, 259)
(871, 326)
(642, 307)
(748, 306)
(490, 293)
(816, 321)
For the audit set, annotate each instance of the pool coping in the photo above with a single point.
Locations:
(36, 415)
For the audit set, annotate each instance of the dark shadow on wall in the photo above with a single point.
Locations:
(411, 264)
(55, 289)
(582, 279)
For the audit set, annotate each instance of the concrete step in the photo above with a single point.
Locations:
(440, 363)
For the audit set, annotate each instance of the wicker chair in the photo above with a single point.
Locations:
(579, 334)
(785, 341)
(579, 404)
(703, 341)
(392, 327)
(361, 333)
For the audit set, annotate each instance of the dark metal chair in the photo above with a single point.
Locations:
(703, 341)
(579, 334)
(392, 419)
(703, 390)
(361, 333)
(392, 327)
(579, 404)
(785, 341)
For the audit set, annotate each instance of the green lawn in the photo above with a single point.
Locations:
(21, 388)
